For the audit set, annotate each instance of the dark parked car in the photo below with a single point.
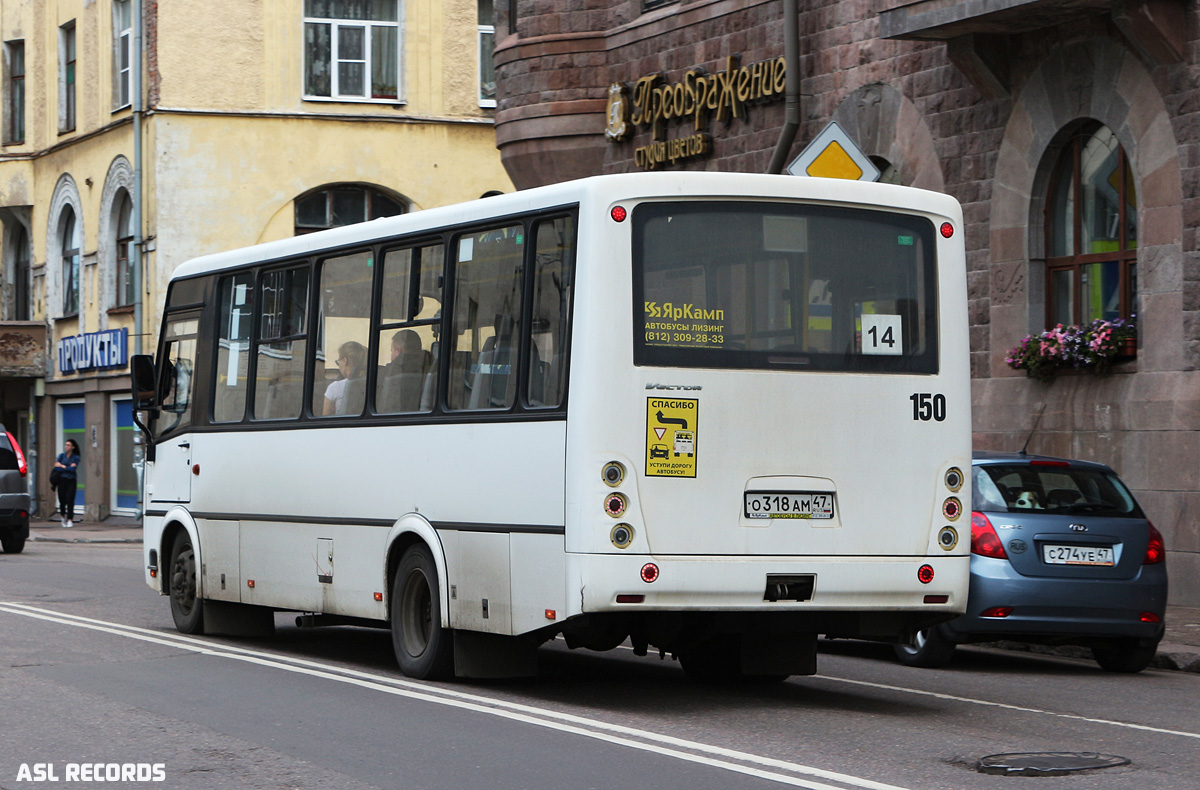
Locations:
(14, 494)
(1061, 553)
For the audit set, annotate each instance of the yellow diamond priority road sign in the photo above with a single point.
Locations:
(832, 154)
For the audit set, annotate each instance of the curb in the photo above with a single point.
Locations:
(44, 539)
(1168, 656)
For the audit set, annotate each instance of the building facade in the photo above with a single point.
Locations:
(1068, 131)
(257, 119)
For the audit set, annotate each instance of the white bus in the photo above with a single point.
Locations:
(714, 414)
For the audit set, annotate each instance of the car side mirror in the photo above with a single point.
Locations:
(145, 391)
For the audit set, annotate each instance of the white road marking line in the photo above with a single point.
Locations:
(1006, 706)
(561, 722)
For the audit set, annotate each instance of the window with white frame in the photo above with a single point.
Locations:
(125, 280)
(66, 78)
(487, 45)
(122, 53)
(352, 50)
(70, 263)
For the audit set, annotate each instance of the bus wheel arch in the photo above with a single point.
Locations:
(406, 533)
(181, 579)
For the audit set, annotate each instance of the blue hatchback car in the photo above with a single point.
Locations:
(1061, 553)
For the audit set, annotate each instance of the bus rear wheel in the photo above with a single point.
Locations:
(424, 649)
(187, 608)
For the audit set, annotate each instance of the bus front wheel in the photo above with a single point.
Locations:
(424, 649)
(187, 608)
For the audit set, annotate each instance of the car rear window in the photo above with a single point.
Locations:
(8, 458)
(1018, 488)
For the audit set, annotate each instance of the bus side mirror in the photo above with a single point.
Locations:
(145, 391)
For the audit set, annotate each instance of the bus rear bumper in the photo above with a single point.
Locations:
(614, 583)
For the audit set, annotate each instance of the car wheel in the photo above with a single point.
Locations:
(424, 649)
(930, 649)
(1125, 655)
(187, 608)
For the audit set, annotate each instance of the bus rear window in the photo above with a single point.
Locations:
(780, 286)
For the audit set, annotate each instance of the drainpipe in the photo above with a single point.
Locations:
(139, 108)
(791, 56)
(138, 240)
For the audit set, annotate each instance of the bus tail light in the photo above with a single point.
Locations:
(952, 508)
(649, 573)
(630, 598)
(615, 504)
(619, 213)
(984, 540)
(21, 467)
(925, 574)
(936, 599)
(1156, 550)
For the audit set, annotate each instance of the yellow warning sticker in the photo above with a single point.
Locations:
(671, 429)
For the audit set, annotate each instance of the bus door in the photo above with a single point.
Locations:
(172, 480)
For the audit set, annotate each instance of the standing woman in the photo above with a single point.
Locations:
(68, 462)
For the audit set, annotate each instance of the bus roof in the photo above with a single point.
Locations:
(596, 189)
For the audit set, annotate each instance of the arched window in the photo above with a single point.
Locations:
(1091, 231)
(21, 307)
(125, 280)
(345, 204)
(70, 264)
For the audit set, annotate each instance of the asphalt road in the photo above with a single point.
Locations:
(94, 679)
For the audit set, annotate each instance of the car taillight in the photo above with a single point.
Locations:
(21, 467)
(1156, 550)
(984, 540)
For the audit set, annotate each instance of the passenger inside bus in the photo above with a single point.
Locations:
(404, 377)
(346, 394)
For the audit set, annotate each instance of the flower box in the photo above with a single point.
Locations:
(1093, 347)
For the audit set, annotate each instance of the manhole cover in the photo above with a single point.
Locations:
(1047, 763)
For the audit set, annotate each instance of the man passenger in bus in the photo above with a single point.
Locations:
(345, 395)
(404, 376)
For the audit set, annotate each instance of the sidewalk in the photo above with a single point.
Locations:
(1179, 649)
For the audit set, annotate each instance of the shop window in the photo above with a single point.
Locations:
(352, 49)
(1091, 231)
(334, 207)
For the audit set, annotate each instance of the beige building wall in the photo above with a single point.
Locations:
(229, 142)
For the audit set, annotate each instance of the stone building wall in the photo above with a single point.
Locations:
(944, 128)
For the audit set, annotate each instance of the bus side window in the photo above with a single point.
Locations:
(553, 266)
(279, 376)
(487, 319)
(409, 321)
(236, 301)
(343, 330)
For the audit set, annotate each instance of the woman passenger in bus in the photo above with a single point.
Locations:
(346, 395)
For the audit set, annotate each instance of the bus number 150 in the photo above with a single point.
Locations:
(927, 406)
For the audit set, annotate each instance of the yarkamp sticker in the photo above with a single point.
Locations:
(671, 430)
